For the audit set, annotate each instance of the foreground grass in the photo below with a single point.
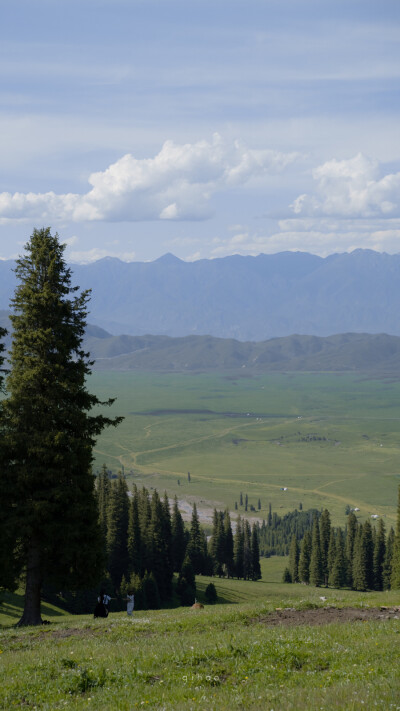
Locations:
(222, 657)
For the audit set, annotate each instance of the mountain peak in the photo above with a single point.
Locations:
(168, 258)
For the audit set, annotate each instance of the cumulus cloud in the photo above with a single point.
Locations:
(177, 184)
(351, 189)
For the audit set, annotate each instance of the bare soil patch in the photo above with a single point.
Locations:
(287, 617)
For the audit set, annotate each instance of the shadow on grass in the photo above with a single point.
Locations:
(12, 605)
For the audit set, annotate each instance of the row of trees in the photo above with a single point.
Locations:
(142, 539)
(277, 532)
(360, 557)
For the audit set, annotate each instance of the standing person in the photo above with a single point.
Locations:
(130, 599)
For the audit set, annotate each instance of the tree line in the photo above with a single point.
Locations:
(145, 543)
(360, 556)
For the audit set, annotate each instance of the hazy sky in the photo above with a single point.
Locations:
(198, 127)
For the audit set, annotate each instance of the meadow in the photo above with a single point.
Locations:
(222, 657)
(330, 440)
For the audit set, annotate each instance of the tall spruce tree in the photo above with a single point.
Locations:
(117, 531)
(49, 432)
(379, 555)
(103, 495)
(325, 534)
(338, 571)
(178, 537)
(294, 554)
(134, 537)
(196, 546)
(316, 566)
(238, 548)
(247, 559)
(359, 571)
(387, 563)
(351, 531)
(255, 554)
(395, 577)
(305, 557)
(228, 545)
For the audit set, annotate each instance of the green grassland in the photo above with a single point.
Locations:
(222, 657)
(330, 439)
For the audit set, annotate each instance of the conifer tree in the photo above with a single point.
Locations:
(246, 502)
(49, 432)
(368, 546)
(241, 499)
(134, 537)
(117, 531)
(103, 495)
(387, 563)
(325, 533)
(338, 572)
(178, 538)
(351, 531)
(186, 587)
(316, 567)
(305, 558)
(228, 545)
(259, 504)
(255, 554)
(159, 564)
(359, 571)
(238, 545)
(395, 577)
(294, 555)
(269, 515)
(247, 558)
(195, 549)
(379, 555)
(331, 551)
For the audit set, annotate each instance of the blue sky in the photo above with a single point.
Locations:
(138, 127)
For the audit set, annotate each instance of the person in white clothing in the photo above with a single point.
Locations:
(130, 599)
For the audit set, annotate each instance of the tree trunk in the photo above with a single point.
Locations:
(31, 614)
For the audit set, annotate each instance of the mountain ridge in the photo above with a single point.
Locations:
(242, 297)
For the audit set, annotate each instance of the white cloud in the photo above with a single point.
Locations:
(177, 184)
(351, 189)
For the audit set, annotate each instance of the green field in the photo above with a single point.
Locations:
(219, 658)
(330, 439)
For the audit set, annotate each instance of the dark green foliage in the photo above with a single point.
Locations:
(379, 555)
(351, 530)
(151, 595)
(247, 560)
(316, 566)
(238, 546)
(286, 577)
(134, 536)
(305, 558)
(294, 554)
(338, 571)
(395, 577)
(103, 496)
(359, 561)
(259, 504)
(210, 594)
(276, 535)
(117, 531)
(246, 502)
(46, 484)
(387, 563)
(178, 538)
(255, 554)
(241, 499)
(186, 587)
(197, 546)
(325, 533)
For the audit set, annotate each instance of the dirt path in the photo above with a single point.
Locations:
(288, 617)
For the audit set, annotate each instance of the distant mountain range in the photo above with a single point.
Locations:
(372, 354)
(245, 298)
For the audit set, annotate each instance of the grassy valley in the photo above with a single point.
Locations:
(330, 440)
